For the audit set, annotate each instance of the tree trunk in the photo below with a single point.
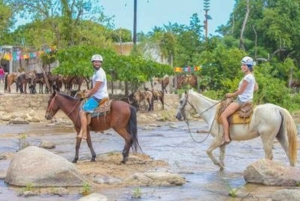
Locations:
(242, 46)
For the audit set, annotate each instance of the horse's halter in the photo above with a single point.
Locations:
(182, 106)
(182, 110)
(52, 112)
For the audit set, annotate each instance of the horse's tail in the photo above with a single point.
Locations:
(5, 82)
(291, 131)
(132, 128)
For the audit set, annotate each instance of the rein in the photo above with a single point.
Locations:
(187, 122)
(52, 102)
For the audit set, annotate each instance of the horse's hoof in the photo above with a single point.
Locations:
(74, 161)
(93, 160)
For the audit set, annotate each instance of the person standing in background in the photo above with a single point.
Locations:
(2, 74)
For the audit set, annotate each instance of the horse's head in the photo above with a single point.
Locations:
(52, 106)
(184, 106)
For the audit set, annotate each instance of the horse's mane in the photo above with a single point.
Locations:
(202, 96)
(67, 96)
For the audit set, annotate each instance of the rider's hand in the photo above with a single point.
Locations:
(86, 94)
(229, 95)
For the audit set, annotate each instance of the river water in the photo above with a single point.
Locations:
(168, 141)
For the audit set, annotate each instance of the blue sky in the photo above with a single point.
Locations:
(152, 13)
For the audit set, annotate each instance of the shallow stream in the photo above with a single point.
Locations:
(168, 141)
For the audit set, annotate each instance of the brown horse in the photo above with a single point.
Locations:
(122, 118)
(140, 96)
(158, 95)
(163, 81)
(10, 78)
(24, 79)
(186, 80)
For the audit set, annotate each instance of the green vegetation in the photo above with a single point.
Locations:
(268, 32)
(137, 193)
(86, 189)
(232, 191)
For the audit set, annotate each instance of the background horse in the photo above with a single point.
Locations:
(10, 78)
(268, 121)
(185, 80)
(122, 118)
(140, 96)
(163, 81)
(24, 79)
(158, 95)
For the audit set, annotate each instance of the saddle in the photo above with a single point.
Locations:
(101, 110)
(241, 116)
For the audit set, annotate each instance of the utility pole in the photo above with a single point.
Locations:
(134, 22)
(207, 16)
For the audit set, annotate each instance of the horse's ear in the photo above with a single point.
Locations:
(185, 91)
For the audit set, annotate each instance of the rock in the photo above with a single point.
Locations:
(6, 117)
(94, 197)
(32, 113)
(107, 180)
(272, 173)
(41, 168)
(47, 145)
(286, 195)
(35, 119)
(155, 179)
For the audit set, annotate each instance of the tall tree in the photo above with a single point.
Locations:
(63, 16)
(6, 20)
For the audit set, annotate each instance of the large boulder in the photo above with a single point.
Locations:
(272, 173)
(41, 168)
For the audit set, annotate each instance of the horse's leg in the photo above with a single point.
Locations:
(267, 138)
(77, 147)
(217, 142)
(90, 145)
(283, 142)
(222, 156)
(162, 102)
(128, 142)
(25, 87)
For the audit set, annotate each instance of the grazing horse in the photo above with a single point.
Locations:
(122, 118)
(10, 78)
(268, 122)
(139, 96)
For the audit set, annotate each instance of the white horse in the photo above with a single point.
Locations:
(268, 121)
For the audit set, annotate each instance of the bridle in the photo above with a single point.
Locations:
(52, 103)
(182, 112)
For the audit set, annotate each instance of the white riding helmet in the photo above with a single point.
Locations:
(97, 57)
(248, 61)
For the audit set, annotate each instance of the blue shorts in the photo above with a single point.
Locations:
(90, 105)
